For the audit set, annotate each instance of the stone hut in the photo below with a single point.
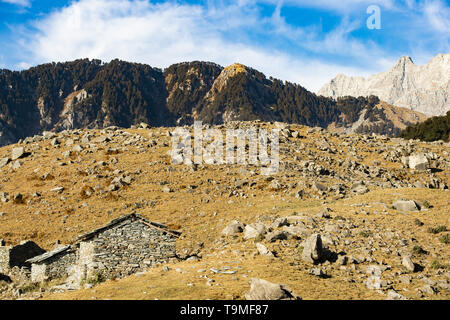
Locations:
(124, 246)
(53, 264)
(16, 256)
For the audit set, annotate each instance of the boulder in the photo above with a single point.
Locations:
(18, 153)
(297, 231)
(254, 230)
(394, 295)
(4, 197)
(406, 205)
(233, 228)
(48, 135)
(262, 249)
(375, 282)
(319, 186)
(312, 249)
(4, 162)
(416, 161)
(359, 188)
(408, 264)
(264, 290)
(419, 162)
(277, 235)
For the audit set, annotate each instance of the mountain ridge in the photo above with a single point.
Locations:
(419, 88)
(91, 94)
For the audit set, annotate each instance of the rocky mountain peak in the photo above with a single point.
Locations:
(420, 88)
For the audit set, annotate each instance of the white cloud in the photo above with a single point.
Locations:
(438, 15)
(23, 65)
(342, 6)
(162, 34)
(23, 3)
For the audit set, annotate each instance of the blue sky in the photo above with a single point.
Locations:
(307, 42)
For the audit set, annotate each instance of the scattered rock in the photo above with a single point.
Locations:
(18, 153)
(254, 230)
(4, 162)
(18, 198)
(233, 228)
(277, 235)
(317, 272)
(428, 289)
(408, 264)
(375, 282)
(393, 295)
(262, 249)
(4, 197)
(416, 162)
(57, 189)
(312, 249)
(406, 205)
(264, 290)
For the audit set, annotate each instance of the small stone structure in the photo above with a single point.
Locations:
(16, 256)
(124, 246)
(53, 264)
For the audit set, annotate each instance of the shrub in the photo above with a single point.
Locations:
(426, 204)
(437, 265)
(445, 238)
(418, 250)
(437, 229)
(365, 234)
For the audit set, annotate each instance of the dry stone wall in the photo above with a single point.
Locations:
(127, 248)
(54, 267)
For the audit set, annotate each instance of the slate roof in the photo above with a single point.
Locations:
(48, 255)
(132, 216)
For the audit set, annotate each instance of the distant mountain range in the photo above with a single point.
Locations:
(425, 89)
(91, 94)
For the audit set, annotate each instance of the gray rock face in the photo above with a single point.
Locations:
(406, 205)
(312, 250)
(264, 290)
(421, 88)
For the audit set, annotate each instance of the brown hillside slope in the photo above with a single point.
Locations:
(200, 202)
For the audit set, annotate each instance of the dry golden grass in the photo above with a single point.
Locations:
(200, 213)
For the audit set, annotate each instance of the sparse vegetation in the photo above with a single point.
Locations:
(426, 204)
(437, 229)
(445, 238)
(436, 264)
(418, 250)
(365, 233)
